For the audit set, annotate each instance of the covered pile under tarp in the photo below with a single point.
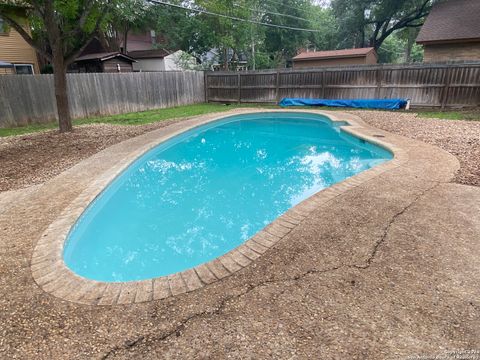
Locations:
(390, 104)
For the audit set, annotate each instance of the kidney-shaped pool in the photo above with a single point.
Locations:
(200, 194)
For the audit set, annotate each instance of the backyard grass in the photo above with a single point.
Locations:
(472, 115)
(151, 116)
(135, 118)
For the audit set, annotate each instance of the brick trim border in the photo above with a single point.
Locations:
(51, 274)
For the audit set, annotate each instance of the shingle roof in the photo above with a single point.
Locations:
(452, 20)
(104, 56)
(313, 55)
(149, 54)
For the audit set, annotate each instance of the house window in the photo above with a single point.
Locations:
(3, 26)
(23, 69)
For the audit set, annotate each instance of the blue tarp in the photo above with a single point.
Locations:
(358, 103)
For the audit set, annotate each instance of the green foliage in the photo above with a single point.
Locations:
(263, 46)
(47, 69)
(395, 49)
(344, 24)
(284, 41)
(125, 16)
(337, 24)
(370, 22)
(63, 24)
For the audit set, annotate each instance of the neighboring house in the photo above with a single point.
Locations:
(147, 40)
(360, 56)
(161, 60)
(113, 62)
(17, 56)
(145, 48)
(214, 60)
(452, 31)
(95, 59)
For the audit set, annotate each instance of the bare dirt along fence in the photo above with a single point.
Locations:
(426, 85)
(28, 99)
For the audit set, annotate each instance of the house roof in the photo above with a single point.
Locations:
(144, 40)
(451, 20)
(345, 53)
(104, 56)
(149, 54)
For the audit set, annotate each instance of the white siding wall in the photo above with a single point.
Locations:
(169, 63)
(149, 65)
(174, 61)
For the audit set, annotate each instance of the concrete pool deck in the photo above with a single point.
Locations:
(388, 269)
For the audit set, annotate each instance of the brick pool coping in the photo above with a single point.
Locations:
(52, 275)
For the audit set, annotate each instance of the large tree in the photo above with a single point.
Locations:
(62, 29)
(229, 36)
(124, 17)
(370, 22)
(285, 43)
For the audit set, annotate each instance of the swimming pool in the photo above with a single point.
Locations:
(199, 195)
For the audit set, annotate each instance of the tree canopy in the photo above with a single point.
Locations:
(275, 30)
(260, 33)
(372, 21)
(62, 29)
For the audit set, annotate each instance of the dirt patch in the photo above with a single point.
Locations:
(32, 159)
(35, 158)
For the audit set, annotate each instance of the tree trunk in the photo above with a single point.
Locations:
(61, 96)
(125, 39)
(253, 55)
(411, 34)
(225, 59)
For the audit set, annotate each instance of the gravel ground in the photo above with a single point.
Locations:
(459, 138)
(32, 159)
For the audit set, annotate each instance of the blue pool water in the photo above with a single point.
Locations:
(203, 193)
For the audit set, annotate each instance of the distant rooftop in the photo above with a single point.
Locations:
(103, 56)
(452, 20)
(313, 55)
(149, 54)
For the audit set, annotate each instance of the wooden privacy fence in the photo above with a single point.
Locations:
(30, 98)
(427, 85)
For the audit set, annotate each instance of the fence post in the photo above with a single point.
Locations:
(446, 87)
(239, 88)
(205, 85)
(378, 79)
(323, 83)
(277, 87)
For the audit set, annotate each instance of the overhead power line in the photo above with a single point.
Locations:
(261, 11)
(232, 17)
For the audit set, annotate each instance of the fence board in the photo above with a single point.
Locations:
(429, 85)
(30, 98)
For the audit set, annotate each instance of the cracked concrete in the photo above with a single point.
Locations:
(388, 269)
